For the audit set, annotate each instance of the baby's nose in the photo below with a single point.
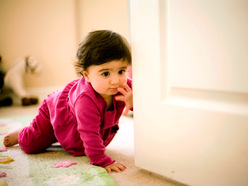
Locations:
(115, 80)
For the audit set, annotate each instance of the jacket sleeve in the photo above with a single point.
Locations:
(89, 121)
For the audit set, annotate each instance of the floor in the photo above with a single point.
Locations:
(121, 149)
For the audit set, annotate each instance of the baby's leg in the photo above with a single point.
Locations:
(37, 137)
(11, 139)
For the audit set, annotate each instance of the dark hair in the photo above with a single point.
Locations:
(102, 46)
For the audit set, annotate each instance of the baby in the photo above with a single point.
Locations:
(83, 117)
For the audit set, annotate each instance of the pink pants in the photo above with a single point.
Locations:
(39, 135)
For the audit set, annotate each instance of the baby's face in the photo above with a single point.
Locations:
(106, 78)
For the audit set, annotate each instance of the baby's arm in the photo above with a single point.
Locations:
(127, 97)
(89, 121)
(116, 166)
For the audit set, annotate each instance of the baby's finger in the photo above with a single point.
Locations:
(116, 169)
(119, 98)
(108, 170)
(122, 91)
(125, 86)
(121, 166)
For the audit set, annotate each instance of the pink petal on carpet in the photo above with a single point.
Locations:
(66, 163)
(3, 133)
(3, 149)
(3, 174)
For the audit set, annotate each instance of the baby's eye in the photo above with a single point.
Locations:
(105, 73)
(121, 72)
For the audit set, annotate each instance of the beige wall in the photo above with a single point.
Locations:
(51, 31)
(103, 14)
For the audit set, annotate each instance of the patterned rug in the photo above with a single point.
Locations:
(53, 167)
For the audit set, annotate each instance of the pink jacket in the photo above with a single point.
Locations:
(82, 124)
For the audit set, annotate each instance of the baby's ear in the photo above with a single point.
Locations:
(86, 75)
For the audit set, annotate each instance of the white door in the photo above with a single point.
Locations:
(190, 70)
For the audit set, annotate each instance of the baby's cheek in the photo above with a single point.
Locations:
(123, 81)
(97, 87)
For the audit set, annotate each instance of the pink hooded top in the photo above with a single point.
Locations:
(81, 122)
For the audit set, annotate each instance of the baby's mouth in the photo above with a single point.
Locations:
(113, 88)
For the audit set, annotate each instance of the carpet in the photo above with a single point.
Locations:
(18, 168)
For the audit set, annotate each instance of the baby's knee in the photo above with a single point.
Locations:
(27, 140)
(32, 147)
(28, 150)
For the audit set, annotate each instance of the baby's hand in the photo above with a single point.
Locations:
(116, 166)
(127, 97)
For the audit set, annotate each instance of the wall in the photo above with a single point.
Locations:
(44, 29)
(52, 30)
(103, 14)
